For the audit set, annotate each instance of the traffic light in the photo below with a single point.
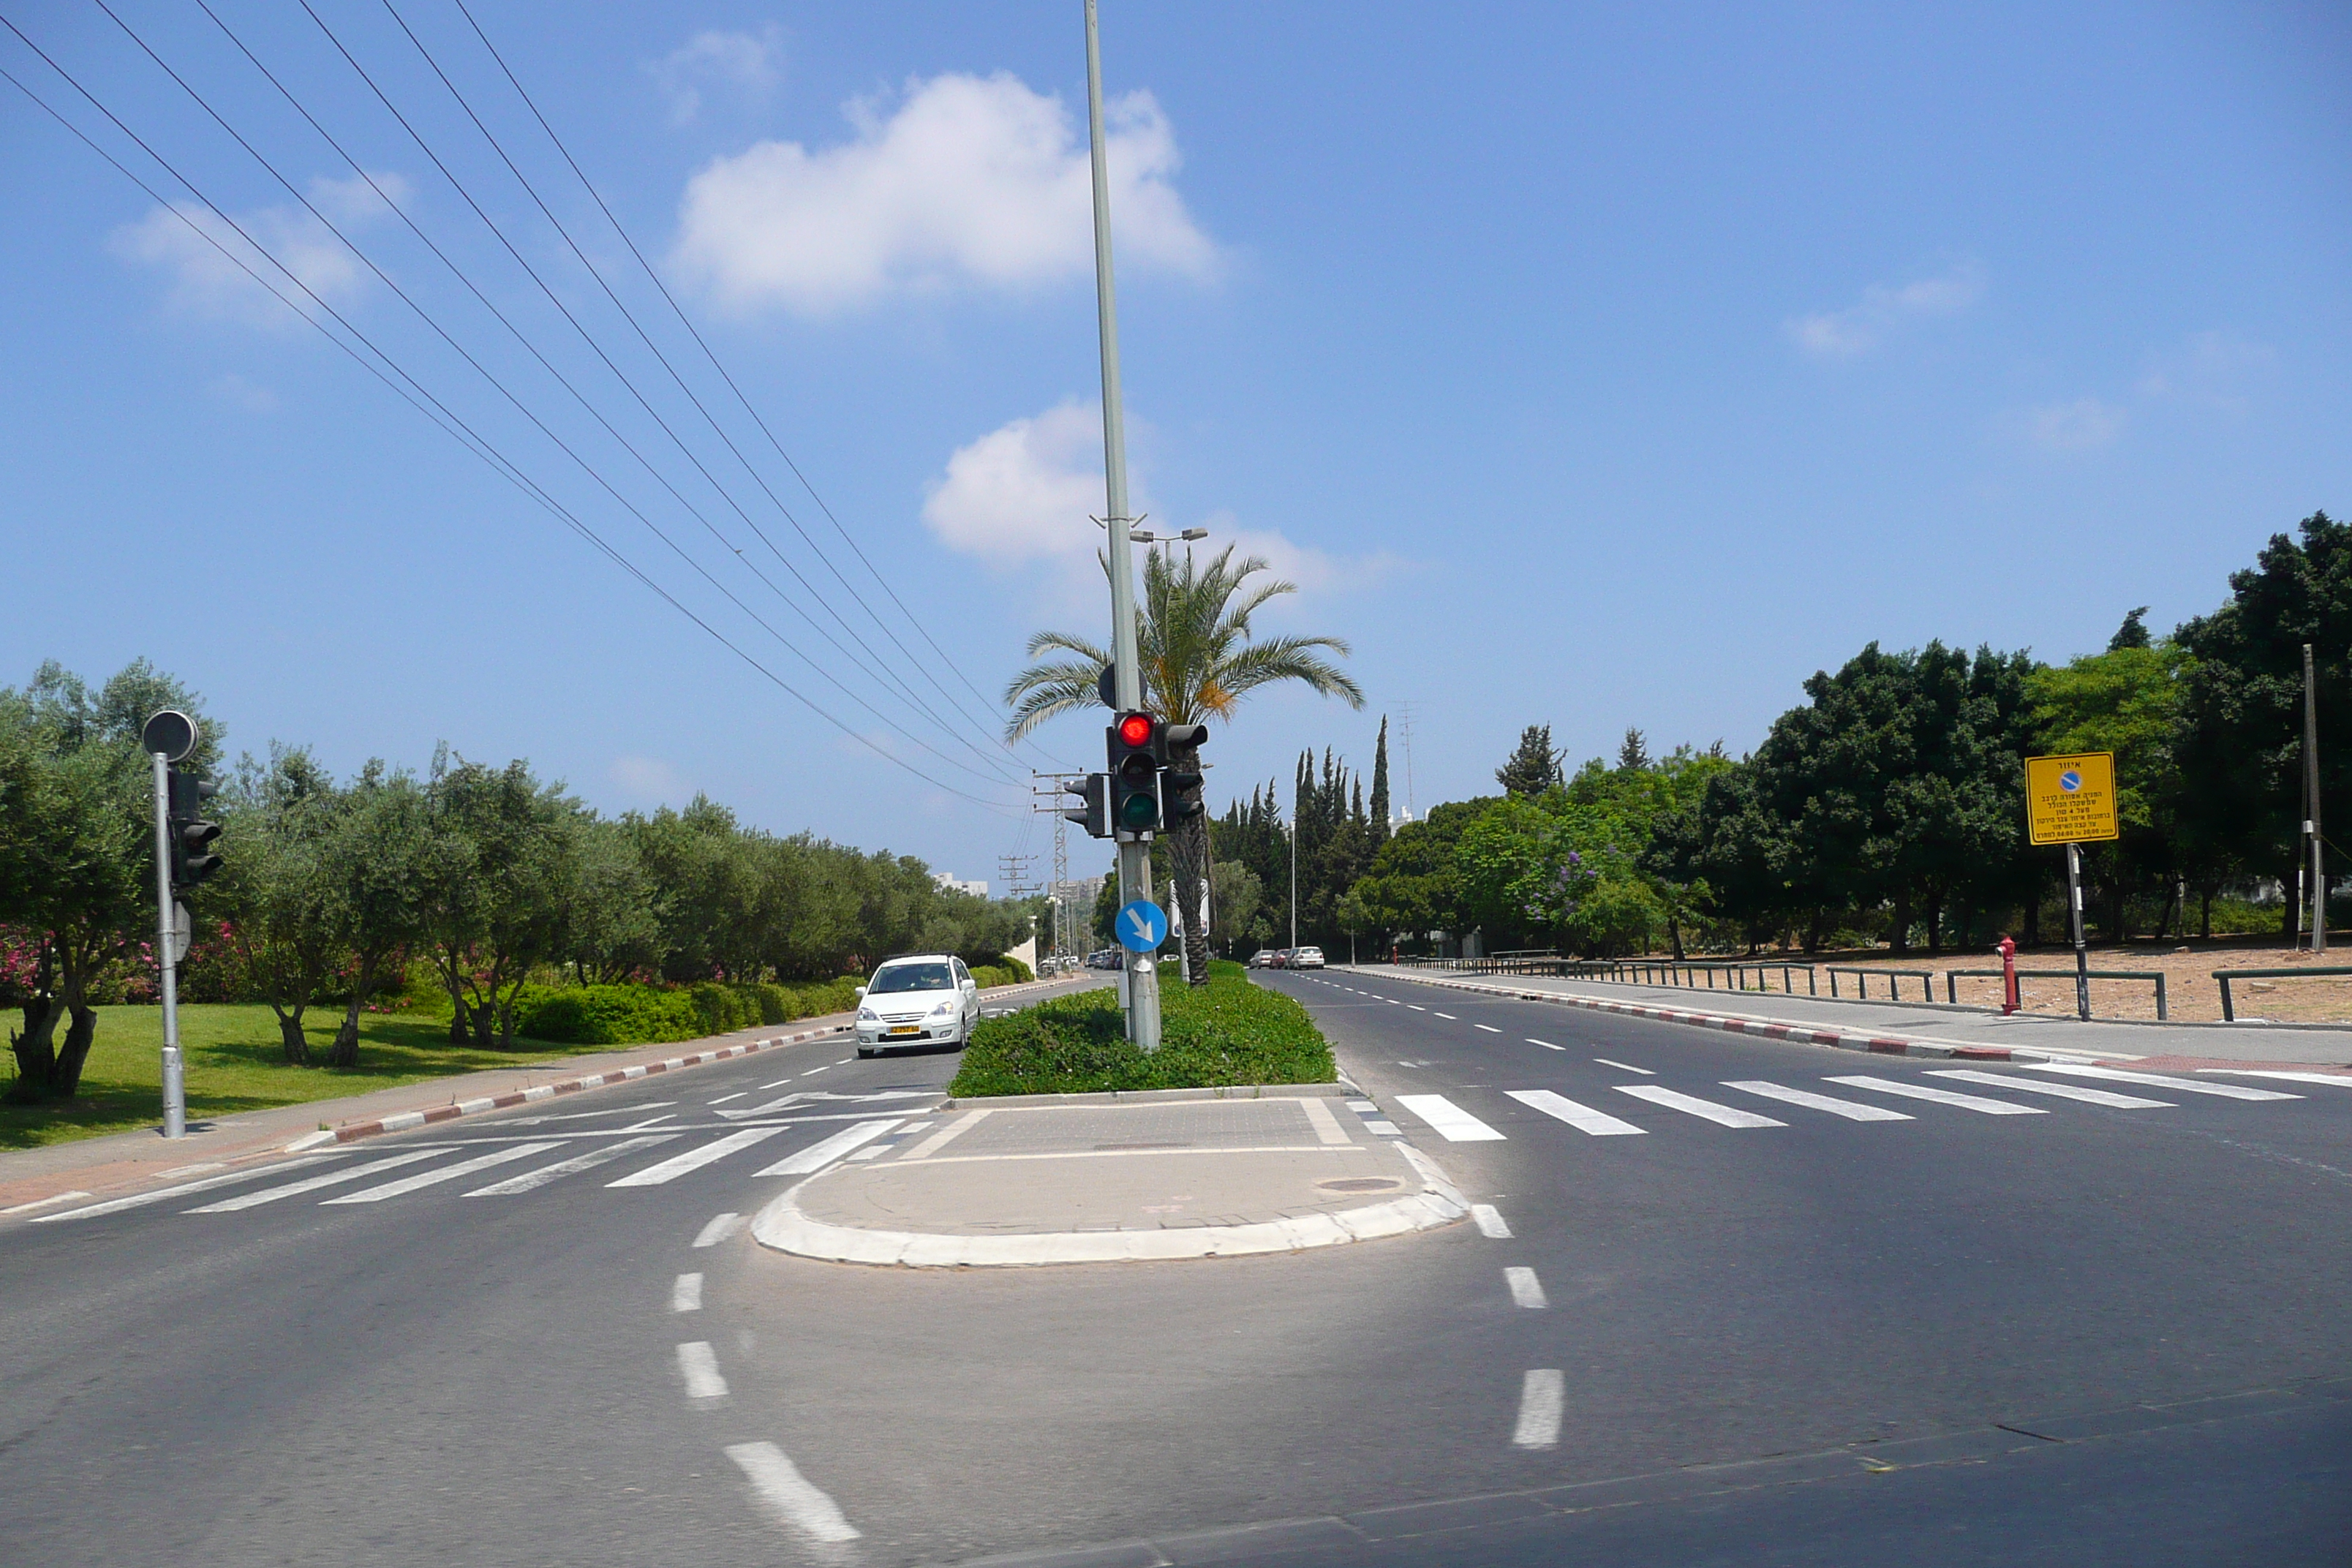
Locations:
(1093, 815)
(1177, 777)
(1135, 775)
(192, 836)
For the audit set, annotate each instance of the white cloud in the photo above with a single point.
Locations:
(2077, 427)
(1025, 490)
(749, 65)
(650, 780)
(2213, 368)
(1860, 328)
(972, 181)
(205, 282)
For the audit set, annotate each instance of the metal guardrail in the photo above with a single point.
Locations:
(1953, 976)
(1895, 978)
(2230, 1012)
(1690, 974)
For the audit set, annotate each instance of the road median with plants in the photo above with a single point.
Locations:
(1226, 1033)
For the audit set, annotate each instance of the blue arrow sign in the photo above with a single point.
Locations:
(1142, 926)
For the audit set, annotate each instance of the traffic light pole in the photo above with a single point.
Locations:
(1134, 856)
(175, 1098)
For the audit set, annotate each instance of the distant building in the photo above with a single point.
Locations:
(950, 883)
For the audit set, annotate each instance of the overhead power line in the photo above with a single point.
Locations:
(438, 412)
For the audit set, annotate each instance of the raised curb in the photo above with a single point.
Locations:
(1144, 1096)
(781, 1226)
(1877, 1045)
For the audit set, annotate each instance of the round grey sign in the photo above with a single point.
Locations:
(172, 732)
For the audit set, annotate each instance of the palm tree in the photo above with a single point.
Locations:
(1200, 659)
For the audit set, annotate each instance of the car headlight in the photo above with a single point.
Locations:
(947, 1006)
(869, 1015)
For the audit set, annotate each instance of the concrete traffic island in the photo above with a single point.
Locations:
(1145, 1179)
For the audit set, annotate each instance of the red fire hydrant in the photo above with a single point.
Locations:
(2008, 977)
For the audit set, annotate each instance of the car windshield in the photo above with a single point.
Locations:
(911, 977)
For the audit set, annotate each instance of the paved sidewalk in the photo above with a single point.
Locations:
(2146, 1044)
(978, 1186)
(125, 1161)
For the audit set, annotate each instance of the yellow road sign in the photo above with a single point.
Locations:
(2071, 799)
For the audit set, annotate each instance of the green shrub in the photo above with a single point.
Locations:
(1004, 962)
(608, 1015)
(1225, 1033)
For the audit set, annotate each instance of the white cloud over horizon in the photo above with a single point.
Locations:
(970, 181)
(206, 283)
(1884, 310)
(650, 781)
(2082, 425)
(746, 65)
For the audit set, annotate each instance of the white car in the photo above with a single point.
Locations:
(1305, 958)
(929, 999)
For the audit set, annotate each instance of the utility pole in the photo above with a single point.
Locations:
(1126, 671)
(2311, 805)
(1294, 872)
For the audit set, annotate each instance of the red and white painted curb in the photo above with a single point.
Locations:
(1877, 1045)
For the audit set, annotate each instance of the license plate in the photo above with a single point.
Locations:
(906, 1029)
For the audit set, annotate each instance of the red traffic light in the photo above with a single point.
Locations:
(1135, 729)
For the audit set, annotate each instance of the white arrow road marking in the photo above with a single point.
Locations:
(1451, 1122)
(443, 1174)
(1583, 1118)
(782, 1487)
(1542, 1393)
(1852, 1110)
(1692, 1105)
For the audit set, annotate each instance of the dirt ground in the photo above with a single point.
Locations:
(2192, 994)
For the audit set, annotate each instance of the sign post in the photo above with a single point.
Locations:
(2070, 800)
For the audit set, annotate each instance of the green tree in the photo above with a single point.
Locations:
(375, 869)
(1533, 767)
(274, 894)
(1201, 658)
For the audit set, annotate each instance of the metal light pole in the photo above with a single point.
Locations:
(1126, 669)
(167, 737)
(2311, 798)
(1294, 874)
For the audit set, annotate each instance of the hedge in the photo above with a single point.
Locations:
(656, 1015)
(1225, 1033)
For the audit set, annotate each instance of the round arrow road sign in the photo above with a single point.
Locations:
(1142, 926)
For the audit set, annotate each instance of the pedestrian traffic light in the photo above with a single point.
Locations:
(1180, 777)
(191, 836)
(1093, 815)
(1135, 775)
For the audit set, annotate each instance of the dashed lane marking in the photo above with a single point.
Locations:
(1623, 1066)
(782, 1488)
(724, 1098)
(2059, 1090)
(1692, 1105)
(1488, 1027)
(530, 1180)
(720, 1227)
(685, 1293)
(1447, 1016)
(1542, 1393)
(1941, 1096)
(1852, 1110)
(1450, 1122)
(1489, 1221)
(1545, 1044)
(1583, 1118)
(1527, 1291)
(435, 1176)
(700, 1364)
(694, 1158)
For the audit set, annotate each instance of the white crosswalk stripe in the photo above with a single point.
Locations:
(311, 1184)
(137, 1200)
(824, 1152)
(1692, 1105)
(694, 1158)
(2074, 1091)
(1852, 1110)
(531, 1181)
(2159, 1080)
(1583, 1118)
(440, 1173)
(1450, 1122)
(1942, 1095)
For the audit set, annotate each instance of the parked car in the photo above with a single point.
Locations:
(1261, 958)
(926, 999)
(1305, 958)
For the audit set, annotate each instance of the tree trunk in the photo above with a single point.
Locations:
(290, 1038)
(1814, 932)
(1935, 922)
(2289, 910)
(80, 1035)
(2205, 912)
(35, 1048)
(345, 1051)
(1674, 935)
(1900, 940)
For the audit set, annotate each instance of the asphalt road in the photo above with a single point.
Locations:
(1945, 1337)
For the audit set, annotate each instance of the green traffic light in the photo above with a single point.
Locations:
(1136, 813)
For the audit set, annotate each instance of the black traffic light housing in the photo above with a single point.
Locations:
(1179, 776)
(1093, 814)
(1133, 742)
(192, 836)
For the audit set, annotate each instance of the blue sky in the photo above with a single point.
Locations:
(1584, 366)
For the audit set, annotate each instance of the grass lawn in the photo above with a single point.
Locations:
(1227, 1032)
(235, 1063)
